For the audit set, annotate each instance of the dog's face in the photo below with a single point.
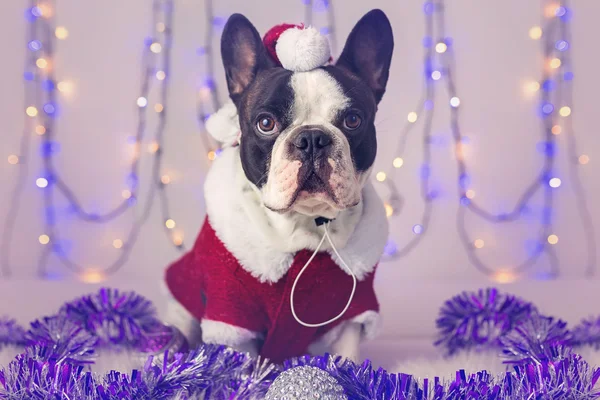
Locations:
(308, 138)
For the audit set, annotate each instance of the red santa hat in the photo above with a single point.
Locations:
(294, 47)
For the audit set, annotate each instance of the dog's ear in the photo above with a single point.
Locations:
(368, 51)
(243, 54)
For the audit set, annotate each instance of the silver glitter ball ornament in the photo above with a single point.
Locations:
(305, 383)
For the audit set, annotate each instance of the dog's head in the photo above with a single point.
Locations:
(308, 139)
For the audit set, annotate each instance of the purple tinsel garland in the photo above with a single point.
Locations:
(11, 333)
(59, 350)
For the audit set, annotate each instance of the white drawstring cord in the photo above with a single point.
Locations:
(325, 236)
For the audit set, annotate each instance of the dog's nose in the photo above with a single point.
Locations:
(312, 141)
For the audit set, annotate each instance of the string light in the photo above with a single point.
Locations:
(555, 63)
(41, 63)
(31, 111)
(93, 275)
(455, 102)
(554, 182)
(389, 210)
(65, 87)
(13, 159)
(535, 32)
(142, 102)
(41, 182)
(44, 32)
(212, 155)
(165, 179)
(381, 176)
(412, 117)
(153, 147)
(44, 239)
(178, 239)
(479, 243)
(170, 224)
(565, 111)
(117, 243)
(61, 32)
(583, 159)
(158, 108)
(504, 276)
(160, 75)
(155, 47)
(557, 88)
(398, 162)
(441, 47)
(552, 239)
(160, 27)
(126, 194)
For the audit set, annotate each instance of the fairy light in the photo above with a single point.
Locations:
(389, 210)
(441, 47)
(583, 159)
(412, 117)
(553, 239)
(436, 75)
(41, 182)
(31, 111)
(381, 176)
(565, 111)
(556, 130)
(178, 239)
(41, 90)
(479, 243)
(554, 182)
(65, 87)
(532, 87)
(142, 102)
(535, 33)
(170, 224)
(13, 159)
(153, 147)
(158, 108)
(455, 102)
(61, 32)
(117, 243)
(555, 63)
(93, 275)
(504, 276)
(44, 239)
(211, 155)
(398, 162)
(165, 179)
(470, 194)
(160, 27)
(41, 63)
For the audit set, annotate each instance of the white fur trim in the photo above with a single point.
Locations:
(222, 333)
(302, 50)
(181, 318)
(224, 125)
(371, 324)
(264, 242)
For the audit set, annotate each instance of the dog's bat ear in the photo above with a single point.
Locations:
(368, 51)
(243, 54)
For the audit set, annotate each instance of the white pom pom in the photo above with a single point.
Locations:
(302, 50)
(224, 125)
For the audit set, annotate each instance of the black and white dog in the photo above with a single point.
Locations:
(307, 146)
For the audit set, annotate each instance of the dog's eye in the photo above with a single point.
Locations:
(266, 125)
(352, 121)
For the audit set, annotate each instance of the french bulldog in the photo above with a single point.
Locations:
(306, 149)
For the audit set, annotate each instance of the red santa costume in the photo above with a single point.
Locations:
(237, 282)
